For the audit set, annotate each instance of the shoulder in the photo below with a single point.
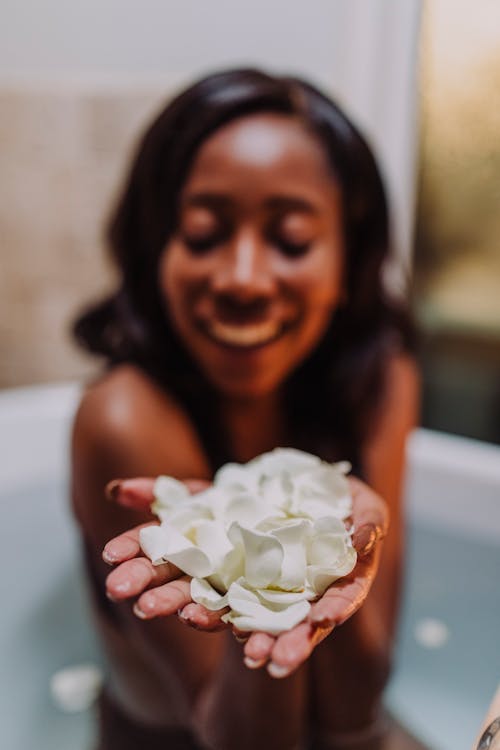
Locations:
(127, 426)
(126, 416)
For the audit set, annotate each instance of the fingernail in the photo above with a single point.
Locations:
(111, 597)
(108, 557)
(138, 612)
(253, 663)
(278, 671)
(112, 489)
(365, 539)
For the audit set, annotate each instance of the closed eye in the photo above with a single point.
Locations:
(292, 249)
(200, 245)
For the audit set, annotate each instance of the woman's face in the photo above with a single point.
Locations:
(255, 268)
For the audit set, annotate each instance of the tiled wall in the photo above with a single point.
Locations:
(62, 156)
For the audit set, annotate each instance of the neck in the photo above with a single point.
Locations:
(254, 426)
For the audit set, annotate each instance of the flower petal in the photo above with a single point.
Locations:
(175, 548)
(326, 547)
(153, 541)
(169, 493)
(186, 517)
(280, 460)
(320, 577)
(249, 614)
(237, 477)
(203, 593)
(278, 600)
(210, 536)
(246, 508)
(263, 555)
(293, 538)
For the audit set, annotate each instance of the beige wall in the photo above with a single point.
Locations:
(62, 155)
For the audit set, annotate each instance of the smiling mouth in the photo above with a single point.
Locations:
(244, 336)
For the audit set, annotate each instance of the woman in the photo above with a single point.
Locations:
(251, 314)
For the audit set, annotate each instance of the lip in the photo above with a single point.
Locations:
(243, 337)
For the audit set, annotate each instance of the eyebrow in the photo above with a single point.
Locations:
(273, 202)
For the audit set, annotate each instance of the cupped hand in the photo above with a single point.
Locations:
(163, 590)
(284, 653)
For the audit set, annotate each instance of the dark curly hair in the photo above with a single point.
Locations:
(334, 394)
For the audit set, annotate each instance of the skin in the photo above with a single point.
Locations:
(250, 279)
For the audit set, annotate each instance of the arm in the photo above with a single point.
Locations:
(384, 459)
(123, 428)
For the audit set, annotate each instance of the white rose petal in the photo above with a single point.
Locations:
(277, 494)
(280, 460)
(249, 613)
(168, 493)
(246, 509)
(211, 537)
(232, 568)
(293, 538)
(237, 477)
(187, 517)
(263, 555)
(327, 545)
(153, 541)
(278, 600)
(319, 578)
(203, 593)
(175, 548)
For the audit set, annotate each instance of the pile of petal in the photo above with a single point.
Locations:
(264, 540)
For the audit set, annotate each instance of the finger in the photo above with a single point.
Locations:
(241, 636)
(370, 517)
(138, 493)
(366, 537)
(124, 547)
(132, 577)
(293, 647)
(343, 599)
(258, 649)
(134, 493)
(202, 618)
(164, 600)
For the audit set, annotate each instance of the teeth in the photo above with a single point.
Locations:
(243, 335)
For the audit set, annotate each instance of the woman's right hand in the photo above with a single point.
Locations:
(161, 589)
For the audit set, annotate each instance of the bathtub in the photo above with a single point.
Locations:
(441, 685)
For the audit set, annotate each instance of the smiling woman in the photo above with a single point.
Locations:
(251, 314)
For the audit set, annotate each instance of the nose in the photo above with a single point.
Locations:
(244, 272)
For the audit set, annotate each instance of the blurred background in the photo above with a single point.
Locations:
(78, 83)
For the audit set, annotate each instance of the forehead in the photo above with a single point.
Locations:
(263, 153)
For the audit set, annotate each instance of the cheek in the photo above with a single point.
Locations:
(323, 286)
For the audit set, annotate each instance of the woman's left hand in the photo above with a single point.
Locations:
(284, 653)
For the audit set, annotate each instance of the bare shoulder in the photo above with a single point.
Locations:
(127, 426)
(126, 417)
